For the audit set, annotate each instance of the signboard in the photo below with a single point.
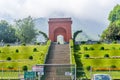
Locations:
(39, 69)
(68, 73)
(29, 74)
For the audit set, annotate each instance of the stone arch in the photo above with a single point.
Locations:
(60, 26)
(59, 31)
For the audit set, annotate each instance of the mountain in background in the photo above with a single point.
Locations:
(91, 29)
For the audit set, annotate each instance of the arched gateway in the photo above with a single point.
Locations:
(60, 26)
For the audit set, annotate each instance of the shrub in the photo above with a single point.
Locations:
(88, 68)
(83, 42)
(35, 50)
(85, 48)
(106, 56)
(91, 48)
(8, 58)
(86, 56)
(102, 48)
(8, 45)
(25, 68)
(31, 57)
(17, 51)
(98, 42)
(10, 67)
(23, 44)
(71, 46)
(0, 51)
(115, 42)
(112, 66)
(38, 43)
(77, 47)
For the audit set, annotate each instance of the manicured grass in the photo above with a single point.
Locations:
(97, 58)
(21, 57)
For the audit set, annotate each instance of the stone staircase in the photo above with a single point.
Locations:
(58, 54)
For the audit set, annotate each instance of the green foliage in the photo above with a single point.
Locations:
(37, 43)
(77, 47)
(112, 33)
(86, 55)
(113, 66)
(8, 58)
(8, 45)
(85, 48)
(102, 48)
(7, 32)
(115, 42)
(91, 48)
(88, 68)
(10, 67)
(25, 30)
(99, 42)
(35, 50)
(17, 51)
(44, 35)
(31, 57)
(114, 14)
(75, 34)
(106, 56)
(83, 42)
(25, 68)
(23, 44)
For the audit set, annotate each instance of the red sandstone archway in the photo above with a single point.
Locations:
(60, 26)
(59, 31)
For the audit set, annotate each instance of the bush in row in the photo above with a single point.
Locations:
(35, 50)
(31, 57)
(86, 48)
(86, 56)
(9, 58)
(25, 68)
(106, 56)
(17, 51)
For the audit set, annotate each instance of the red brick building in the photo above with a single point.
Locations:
(60, 26)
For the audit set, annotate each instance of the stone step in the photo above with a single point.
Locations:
(58, 54)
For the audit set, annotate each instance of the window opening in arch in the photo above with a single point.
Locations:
(60, 39)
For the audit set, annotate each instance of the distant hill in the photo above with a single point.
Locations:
(91, 29)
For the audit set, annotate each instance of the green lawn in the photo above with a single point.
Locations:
(21, 57)
(96, 58)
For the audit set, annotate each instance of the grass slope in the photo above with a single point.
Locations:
(97, 58)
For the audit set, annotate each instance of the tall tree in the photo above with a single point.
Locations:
(113, 31)
(75, 34)
(114, 14)
(7, 32)
(25, 30)
(44, 35)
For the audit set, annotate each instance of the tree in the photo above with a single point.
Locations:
(112, 33)
(7, 32)
(75, 34)
(114, 14)
(25, 30)
(44, 35)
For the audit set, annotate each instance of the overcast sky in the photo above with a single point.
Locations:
(94, 10)
(88, 9)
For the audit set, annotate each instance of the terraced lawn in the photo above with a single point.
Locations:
(14, 58)
(96, 58)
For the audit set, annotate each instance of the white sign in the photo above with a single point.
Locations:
(38, 68)
(40, 73)
(68, 74)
